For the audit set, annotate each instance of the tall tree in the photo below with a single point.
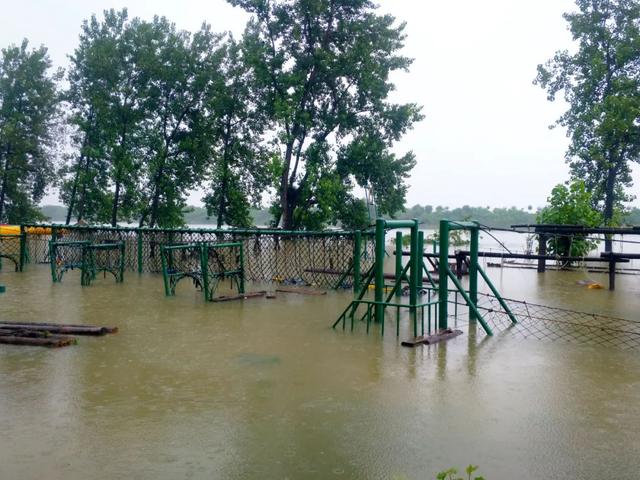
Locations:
(106, 112)
(182, 71)
(238, 172)
(323, 66)
(28, 115)
(601, 84)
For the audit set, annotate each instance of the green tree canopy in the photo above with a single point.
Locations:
(570, 205)
(323, 68)
(601, 84)
(28, 117)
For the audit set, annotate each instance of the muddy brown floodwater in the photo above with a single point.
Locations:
(265, 389)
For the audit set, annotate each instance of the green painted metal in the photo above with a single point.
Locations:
(357, 255)
(210, 267)
(503, 304)
(91, 266)
(398, 253)
(472, 306)
(379, 269)
(61, 265)
(443, 267)
(420, 259)
(12, 248)
(473, 269)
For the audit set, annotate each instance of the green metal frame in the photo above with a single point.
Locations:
(411, 273)
(58, 270)
(445, 273)
(18, 257)
(206, 278)
(90, 269)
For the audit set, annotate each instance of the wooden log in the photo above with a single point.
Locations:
(301, 291)
(59, 328)
(36, 339)
(242, 296)
(441, 336)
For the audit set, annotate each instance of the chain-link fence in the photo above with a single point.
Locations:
(313, 258)
(555, 324)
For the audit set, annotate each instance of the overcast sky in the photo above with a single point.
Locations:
(485, 138)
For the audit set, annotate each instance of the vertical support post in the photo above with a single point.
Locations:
(204, 268)
(473, 270)
(443, 282)
(23, 247)
(414, 272)
(542, 250)
(357, 254)
(420, 259)
(122, 253)
(379, 268)
(165, 273)
(612, 271)
(139, 238)
(52, 260)
(398, 263)
(241, 269)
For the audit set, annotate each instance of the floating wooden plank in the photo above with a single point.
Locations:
(38, 339)
(387, 276)
(59, 328)
(441, 336)
(301, 291)
(242, 296)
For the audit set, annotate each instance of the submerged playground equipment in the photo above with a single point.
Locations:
(426, 298)
(411, 276)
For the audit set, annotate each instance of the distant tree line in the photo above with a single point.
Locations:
(295, 111)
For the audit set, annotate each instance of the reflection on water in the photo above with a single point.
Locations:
(265, 389)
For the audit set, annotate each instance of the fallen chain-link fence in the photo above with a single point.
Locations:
(556, 324)
(310, 258)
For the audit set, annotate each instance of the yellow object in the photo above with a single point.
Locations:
(594, 286)
(15, 230)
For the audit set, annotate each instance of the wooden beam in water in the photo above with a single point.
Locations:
(301, 291)
(37, 339)
(243, 296)
(441, 336)
(58, 328)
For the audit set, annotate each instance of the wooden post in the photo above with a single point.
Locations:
(612, 271)
(542, 250)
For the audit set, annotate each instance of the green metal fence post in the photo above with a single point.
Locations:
(23, 247)
(443, 283)
(52, 260)
(420, 258)
(204, 267)
(414, 272)
(241, 270)
(398, 263)
(473, 270)
(165, 273)
(379, 278)
(139, 238)
(122, 253)
(357, 254)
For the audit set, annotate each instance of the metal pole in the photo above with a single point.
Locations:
(398, 263)
(357, 254)
(414, 273)
(420, 259)
(443, 283)
(379, 279)
(139, 234)
(23, 247)
(473, 270)
(241, 269)
(165, 273)
(204, 267)
(542, 250)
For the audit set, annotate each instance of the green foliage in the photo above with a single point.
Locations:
(570, 205)
(28, 119)
(322, 69)
(601, 84)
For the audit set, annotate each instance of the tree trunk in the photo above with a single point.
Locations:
(5, 179)
(609, 201)
(74, 191)
(285, 209)
(114, 207)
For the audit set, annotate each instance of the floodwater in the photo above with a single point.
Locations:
(265, 389)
